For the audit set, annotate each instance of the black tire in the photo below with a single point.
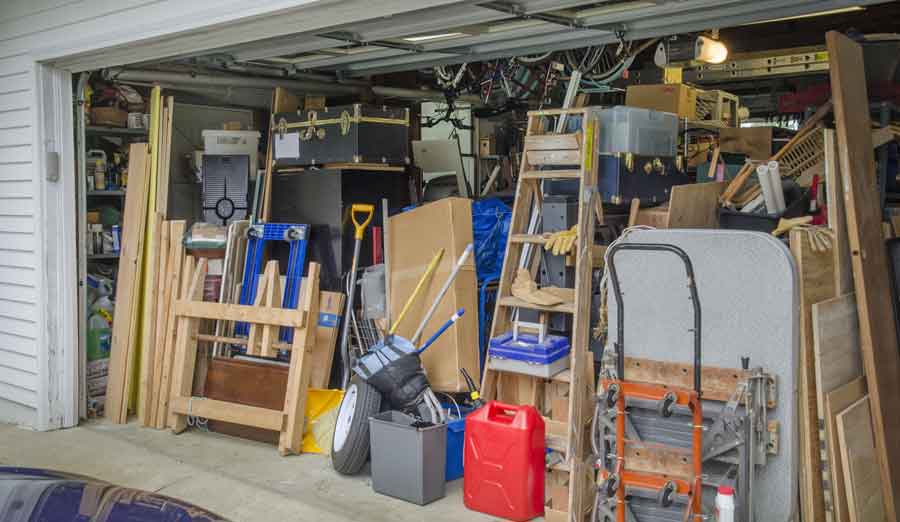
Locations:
(353, 452)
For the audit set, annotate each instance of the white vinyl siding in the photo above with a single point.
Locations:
(19, 258)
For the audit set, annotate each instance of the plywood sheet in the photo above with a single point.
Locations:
(861, 476)
(878, 336)
(816, 272)
(836, 402)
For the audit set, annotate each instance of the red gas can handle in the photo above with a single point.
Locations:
(500, 411)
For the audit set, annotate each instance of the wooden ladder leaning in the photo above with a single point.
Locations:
(565, 400)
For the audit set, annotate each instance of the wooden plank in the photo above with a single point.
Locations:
(253, 334)
(713, 164)
(633, 210)
(291, 439)
(718, 384)
(837, 218)
(245, 313)
(122, 343)
(550, 174)
(861, 476)
(273, 300)
(695, 205)
(229, 412)
(816, 276)
(878, 336)
(282, 101)
(148, 313)
(837, 362)
(185, 347)
(162, 303)
(836, 402)
(836, 344)
(173, 292)
(665, 460)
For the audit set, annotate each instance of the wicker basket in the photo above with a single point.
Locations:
(803, 155)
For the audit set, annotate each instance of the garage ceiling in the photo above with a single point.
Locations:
(477, 31)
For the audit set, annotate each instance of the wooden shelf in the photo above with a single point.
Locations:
(97, 130)
(551, 174)
(109, 193)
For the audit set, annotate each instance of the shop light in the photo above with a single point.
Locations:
(710, 51)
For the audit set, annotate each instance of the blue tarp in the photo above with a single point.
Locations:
(490, 226)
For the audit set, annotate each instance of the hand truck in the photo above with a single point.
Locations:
(258, 234)
(618, 390)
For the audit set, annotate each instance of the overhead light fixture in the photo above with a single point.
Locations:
(710, 51)
(684, 52)
(430, 37)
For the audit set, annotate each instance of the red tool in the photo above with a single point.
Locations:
(667, 397)
(503, 461)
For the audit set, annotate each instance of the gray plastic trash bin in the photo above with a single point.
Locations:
(407, 462)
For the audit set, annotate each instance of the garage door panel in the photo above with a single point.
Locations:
(15, 172)
(17, 258)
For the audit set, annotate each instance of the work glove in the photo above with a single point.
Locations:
(561, 243)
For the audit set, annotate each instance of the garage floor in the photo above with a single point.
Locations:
(238, 479)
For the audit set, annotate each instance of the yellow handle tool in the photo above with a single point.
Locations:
(361, 227)
(421, 284)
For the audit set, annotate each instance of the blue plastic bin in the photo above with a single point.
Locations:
(456, 434)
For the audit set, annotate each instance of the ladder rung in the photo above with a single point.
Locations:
(551, 174)
(534, 239)
(550, 142)
(553, 157)
(565, 308)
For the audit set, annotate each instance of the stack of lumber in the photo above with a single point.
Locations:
(138, 286)
(849, 358)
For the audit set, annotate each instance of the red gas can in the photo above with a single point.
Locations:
(503, 462)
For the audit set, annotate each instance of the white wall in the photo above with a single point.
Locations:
(19, 245)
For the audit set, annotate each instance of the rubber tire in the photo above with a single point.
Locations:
(355, 452)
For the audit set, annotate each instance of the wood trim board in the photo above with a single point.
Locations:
(837, 363)
(816, 278)
(878, 336)
(121, 361)
(836, 402)
(861, 476)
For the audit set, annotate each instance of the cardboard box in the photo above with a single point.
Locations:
(415, 237)
(755, 142)
(109, 117)
(678, 99)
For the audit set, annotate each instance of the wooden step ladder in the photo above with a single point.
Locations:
(565, 400)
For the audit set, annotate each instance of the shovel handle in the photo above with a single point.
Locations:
(369, 210)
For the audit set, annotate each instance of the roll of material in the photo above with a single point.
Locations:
(762, 174)
(775, 174)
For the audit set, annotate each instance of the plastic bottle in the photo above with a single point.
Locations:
(725, 504)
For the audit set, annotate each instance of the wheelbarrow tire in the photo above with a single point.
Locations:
(350, 443)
